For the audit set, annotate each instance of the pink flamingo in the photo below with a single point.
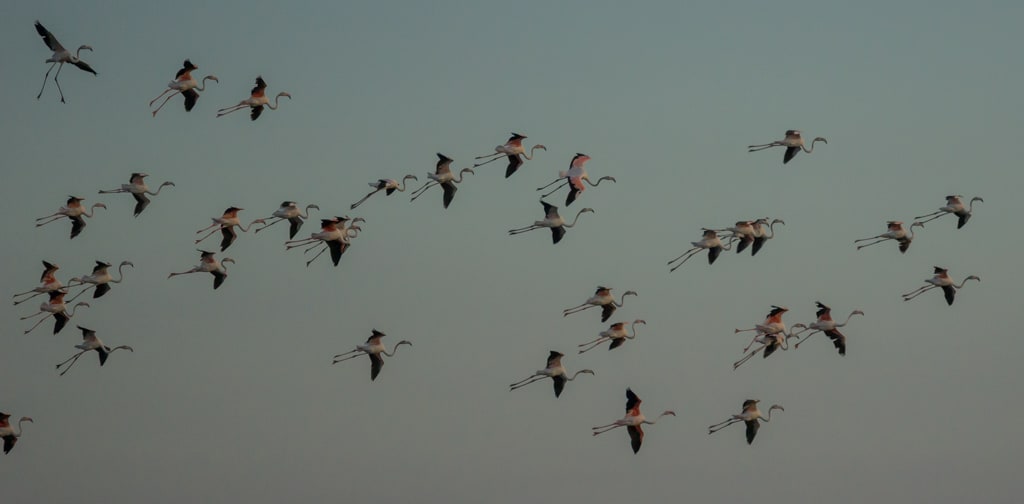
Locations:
(514, 150)
(633, 421)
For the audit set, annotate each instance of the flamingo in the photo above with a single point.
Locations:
(8, 434)
(554, 370)
(443, 177)
(332, 233)
(227, 222)
(100, 279)
(89, 343)
(772, 324)
(257, 99)
(137, 187)
(769, 343)
(826, 325)
(48, 280)
(750, 416)
(760, 237)
(895, 232)
(290, 212)
(552, 221)
(633, 421)
(793, 143)
(941, 280)
(60, 56)
(603, 298)
(955, 206)
(73, 210)
(743, 232)
(56, 307)
(515, 152)
(185, 84)
(710, 242)
(373, 348)
(209, 264)
(616, 333)
(389, 186)
(574, 178)
(339, 246)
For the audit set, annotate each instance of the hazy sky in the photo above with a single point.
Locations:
(230, 395)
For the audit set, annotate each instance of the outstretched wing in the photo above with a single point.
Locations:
(713, 254)
(103, 355)
(559, 383)
(790, 154)
(449, 192)
(77, 225)
(514, 162)
(191, 96)
(336, 250)
(54, 46)
(294, 224)
(616, 343)
(838, 339)
(758, 243)
(84, 66)
(752, 426)
(141, 202)
(218, 278)
(963, 220)
(9, 441)
(62, 320)
(636, 437)
(376, 363)
(950, 293)
(100, 290)
(229, 237)
(607, 311)
(256, 111)
(557, 233)
(745, 240)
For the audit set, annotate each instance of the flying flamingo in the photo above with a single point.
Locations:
(554, 370)
(339, 246)
(603, 298)
(552, 221)
(616, 333)
(100, 279)
(257, 99)
(48, 280)
(60, 56)
(743, 232)
(941, 280)
(89, 343)
(8, 434)
(710, 242)
(793, 143)
(443, 177)
(333, 234)
(633, 421)
(769, 343)
(574, 178)
(227, 222)
(760, 237)
(514, 150)
(56, 307)
(290, 212)
(74, 211)
(749, 416)
(374, 348)
(955, 206)
(185, 84)
(387, 185)
(895, 232)
(826, 325)
(209, 264)
(772, 324)
(138, 189)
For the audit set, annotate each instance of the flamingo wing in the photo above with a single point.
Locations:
(514, 162)
(713, 254)
(607, 311)
(963, 220)
(758, 243)
(54, 46)
(559, 383)
(294, 224)
(62, 320)
(449, 192)
(10, 440)
(77, 225)
(636, 437)
(218, 278)
(838, 339)
(141, 202)
(336, 250)
(191, 96)
(229, 237)
(100, 290)
(790, 154)
(752, 426)
(744, 241)
(950, 293)
(616, 343)
(103, 355)
(256, 111)
(84, 66)
(557, 233)
(376, 363)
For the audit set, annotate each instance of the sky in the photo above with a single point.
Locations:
(230, 394)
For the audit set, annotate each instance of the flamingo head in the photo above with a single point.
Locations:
(470, 170)
(127, 263)
(820, 139)
(227, 260)
(168, 183)
(26, 419)
(585, 210)
(411, 176)
(630, 293)
(975, 277)
(640, 321)
(856, 312)
(776, 406)
(212, 77)
(83, 47)
(918, 224)
(285, 93)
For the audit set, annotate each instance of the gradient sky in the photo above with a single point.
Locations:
(230, 395)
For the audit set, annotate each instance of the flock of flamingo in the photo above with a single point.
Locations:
(337, 232)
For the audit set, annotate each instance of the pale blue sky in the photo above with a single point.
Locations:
(230, 394)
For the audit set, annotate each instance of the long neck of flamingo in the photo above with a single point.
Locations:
(276, 100)
(530, 156)
(202, 85)
(394, 350)
(120, 273)
(574, 219)
(634, 331)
